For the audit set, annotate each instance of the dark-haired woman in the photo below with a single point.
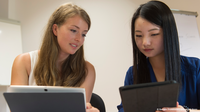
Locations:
(157, 58)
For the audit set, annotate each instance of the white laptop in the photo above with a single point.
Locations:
(3, 104)
(45, 99)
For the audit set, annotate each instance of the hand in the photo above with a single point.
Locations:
(90, 108)
(178, 108)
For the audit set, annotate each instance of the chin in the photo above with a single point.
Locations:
(72, 53)
(148, 55)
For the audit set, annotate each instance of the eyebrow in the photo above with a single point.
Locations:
(76, 26)
(148, 30)
(153, 29)
(79, 28)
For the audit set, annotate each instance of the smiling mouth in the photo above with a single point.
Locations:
(73, 45)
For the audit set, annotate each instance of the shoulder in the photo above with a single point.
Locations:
(23, 60)
(130, 71)
(189, 59)
(89, 65)
(25, 57)
(90, 68)
(190, 62)
(21, 69)
(190, 66)
(34, 53)
(129, 76)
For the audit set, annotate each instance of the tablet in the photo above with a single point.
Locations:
(148, 97)
(45, 99)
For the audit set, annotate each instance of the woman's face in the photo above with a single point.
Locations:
(71, 34)
(149, 38)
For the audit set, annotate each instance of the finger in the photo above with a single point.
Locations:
(92, 110)
(88, 106)
(96, 110)
(177, 104)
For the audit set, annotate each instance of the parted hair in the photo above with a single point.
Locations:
(157, 13)
(73, 69)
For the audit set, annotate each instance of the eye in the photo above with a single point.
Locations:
(138, 35)
(74, 31)
(155, 34)
(83, 35)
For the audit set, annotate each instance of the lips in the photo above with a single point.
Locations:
(148, 50)
(74, 45)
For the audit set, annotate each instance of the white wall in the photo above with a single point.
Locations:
(108, 43)
(10, 46)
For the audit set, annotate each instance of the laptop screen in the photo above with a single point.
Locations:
(45, 98)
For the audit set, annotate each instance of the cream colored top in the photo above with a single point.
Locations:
(34, 58)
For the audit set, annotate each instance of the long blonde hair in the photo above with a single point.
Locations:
(73, 69)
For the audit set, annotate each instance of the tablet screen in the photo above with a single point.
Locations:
(147, 97)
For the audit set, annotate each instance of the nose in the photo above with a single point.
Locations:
(78, 37)
(146, 41)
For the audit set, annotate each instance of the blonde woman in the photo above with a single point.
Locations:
(60, 60)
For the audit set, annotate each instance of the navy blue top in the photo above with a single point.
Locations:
(189, 94)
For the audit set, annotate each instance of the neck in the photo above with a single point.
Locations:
(158, 65)
(157, 62)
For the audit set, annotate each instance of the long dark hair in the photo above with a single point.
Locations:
(158, 13)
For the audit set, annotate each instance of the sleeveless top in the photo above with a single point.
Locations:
(34, 58)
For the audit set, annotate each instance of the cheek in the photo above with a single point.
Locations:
(138, 42)
(63, 40)
(60, 42)
(160, 44)
(82, 40)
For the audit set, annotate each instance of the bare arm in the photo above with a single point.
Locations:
(21, 69)
(88, 84)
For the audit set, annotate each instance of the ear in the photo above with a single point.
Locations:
(55, 28)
